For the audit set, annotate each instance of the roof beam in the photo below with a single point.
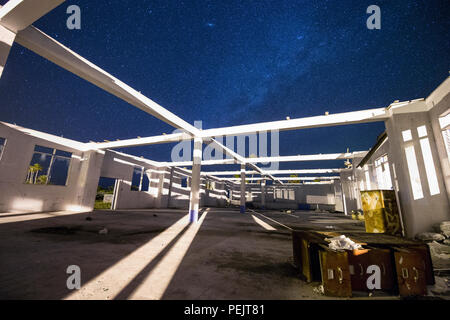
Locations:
(47, 47)
(287, 178)
(298, 158)
(354, 117)
(241, 159)
(274, 172)
(165, 138)
(17, 15)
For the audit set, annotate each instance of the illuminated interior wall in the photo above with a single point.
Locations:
(439, 109)
(419, 212)
(77, 195)
(290, 196)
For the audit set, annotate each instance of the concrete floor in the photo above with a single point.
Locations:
(155, 254)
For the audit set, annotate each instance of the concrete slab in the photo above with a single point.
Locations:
(156, 254)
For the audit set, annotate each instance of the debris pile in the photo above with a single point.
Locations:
(342, 243)
(443, 228)
(441, 234)
(440, 287)
(440, 254)
(430, 236)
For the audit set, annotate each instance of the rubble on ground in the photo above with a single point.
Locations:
(443, 228)
(440, 287)
(430, 236)
(440, 255)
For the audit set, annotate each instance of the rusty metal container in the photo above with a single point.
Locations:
(336, 279)
(411, 272)
(381, 212)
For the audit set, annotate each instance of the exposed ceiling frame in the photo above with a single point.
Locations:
(18, 15)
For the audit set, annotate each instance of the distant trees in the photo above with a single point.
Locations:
(33, 175)
(294, 176)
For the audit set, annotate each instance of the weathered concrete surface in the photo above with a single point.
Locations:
(153, 254)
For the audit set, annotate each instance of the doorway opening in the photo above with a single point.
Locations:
(106, 194)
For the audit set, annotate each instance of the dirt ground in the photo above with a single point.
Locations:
(156, 254)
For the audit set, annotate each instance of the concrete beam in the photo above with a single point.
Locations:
(6, 41)
(354, 117)
(273, 172)
(240, 158)
(288, 178)
(17, 15)
(176, 137)
(167, 138)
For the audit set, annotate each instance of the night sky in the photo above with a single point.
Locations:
(230, 63)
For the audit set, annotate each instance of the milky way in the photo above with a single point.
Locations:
(230, 63)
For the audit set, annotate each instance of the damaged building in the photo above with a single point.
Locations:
(149, 219)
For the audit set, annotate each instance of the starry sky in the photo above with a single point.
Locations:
(229, 63)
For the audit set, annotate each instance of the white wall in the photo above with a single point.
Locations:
(294, 196)
(418, 215)
(16, 195)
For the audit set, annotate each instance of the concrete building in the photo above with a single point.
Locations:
(41, 173)
(411, 157)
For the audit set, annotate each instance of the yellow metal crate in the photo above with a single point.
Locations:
(381, 212)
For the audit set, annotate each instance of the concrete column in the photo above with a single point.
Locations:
(87, 180)
(160, 195)
(6, 41)
(339, 200)
(263, 194)
(170, 186)
(195, 181)
(243, 188)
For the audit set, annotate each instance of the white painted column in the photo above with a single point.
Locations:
(160, 194)
(263, 194)
(6, 41)
(170, 186)
(87, 180)
(195, 181)
(243, 198)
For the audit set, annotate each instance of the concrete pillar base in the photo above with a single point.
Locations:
(193, 216)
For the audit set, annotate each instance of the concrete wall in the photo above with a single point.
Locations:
(306, 196)
(438, 108)
(86, 168)
(418, 215)
(16, 195)
(165, 188)
(120, 166)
